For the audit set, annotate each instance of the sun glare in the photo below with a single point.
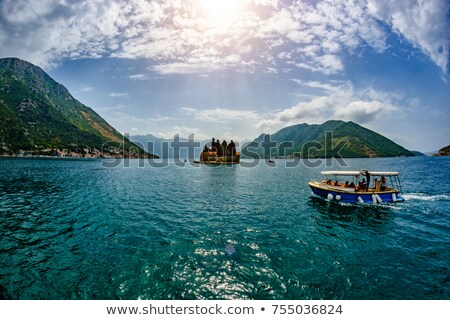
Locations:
(223, 12)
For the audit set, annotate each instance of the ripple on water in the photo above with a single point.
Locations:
(74, 230)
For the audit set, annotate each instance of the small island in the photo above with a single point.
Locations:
(220, 153)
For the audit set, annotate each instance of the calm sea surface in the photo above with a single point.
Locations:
(71, 229)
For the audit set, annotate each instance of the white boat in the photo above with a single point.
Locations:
(359, 186)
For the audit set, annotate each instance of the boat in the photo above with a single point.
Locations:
(365, 186)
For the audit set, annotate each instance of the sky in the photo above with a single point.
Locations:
(233, 69)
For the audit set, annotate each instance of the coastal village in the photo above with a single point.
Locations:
(87, 153)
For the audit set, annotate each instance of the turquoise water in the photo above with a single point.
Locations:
(75, 230)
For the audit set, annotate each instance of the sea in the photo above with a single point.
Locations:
(86, 229)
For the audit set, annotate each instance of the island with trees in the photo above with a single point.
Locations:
(220, 153)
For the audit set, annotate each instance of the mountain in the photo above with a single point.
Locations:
(345, 139)
(445, 151)
(37, 114)
(163, 147)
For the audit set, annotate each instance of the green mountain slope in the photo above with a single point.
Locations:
(444, 151)
(306, 140)
(37, 113)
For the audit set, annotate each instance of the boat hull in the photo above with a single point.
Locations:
(328, 192)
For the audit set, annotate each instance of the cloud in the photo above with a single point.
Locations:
(423, 23)
(184, 37)
(118, 94)
(133, 119)
(183, 132)
(221, 115)
(87, 89)
(139, 76)
(363, 111)
(340, 102)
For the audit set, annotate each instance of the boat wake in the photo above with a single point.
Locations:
(426, 197)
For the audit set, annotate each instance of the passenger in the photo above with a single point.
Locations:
(336, 183)
(346, 184)
(329, 182)
(368, 180)
(362, 185)
(383, 186)
(351, 185)
(375, 184)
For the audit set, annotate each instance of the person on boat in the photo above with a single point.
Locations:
(368, 180)
(351, 185)
(383, 186)
(375, 184)
(329, 182)
(362, 185)
(336, 183)
(346, 184)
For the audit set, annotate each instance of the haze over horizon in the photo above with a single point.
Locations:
(235, 69)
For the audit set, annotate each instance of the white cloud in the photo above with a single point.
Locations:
(363, 111)
(183, 132)
(180, 37)
(221, 115)
(423, 23)
(340, 102)
(139, 76)
(185, 68)
(87, 89)
(118, 94)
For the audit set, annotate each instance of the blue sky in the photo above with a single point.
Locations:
(237, 68)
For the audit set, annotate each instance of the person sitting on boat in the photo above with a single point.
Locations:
(336, 183)
(329, 182)
(376, 185)
(351, 185)
(362, 185)
(346, 184)
(383, 185)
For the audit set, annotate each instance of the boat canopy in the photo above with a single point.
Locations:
(358, 173)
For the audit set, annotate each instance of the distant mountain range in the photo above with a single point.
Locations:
(38, 115)
(345, 139)
(163, 148)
